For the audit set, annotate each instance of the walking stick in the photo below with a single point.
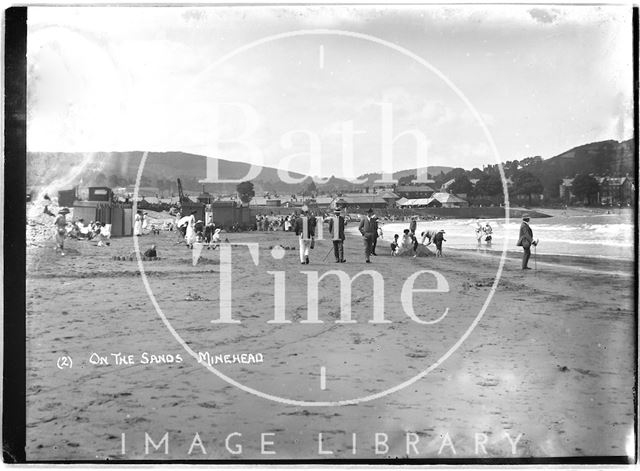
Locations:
(535, 257)
(325, 257)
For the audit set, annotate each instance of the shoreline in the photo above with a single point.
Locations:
(565, 260)
(603, 265)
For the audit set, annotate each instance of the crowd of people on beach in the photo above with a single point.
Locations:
(191, 230)
(275, 223)
(371, 230)
(77, 229)
(305, 226)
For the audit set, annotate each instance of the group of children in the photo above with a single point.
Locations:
(191, 230)
(483, 232)
(409, 244)
(77, 229)
(274, 223)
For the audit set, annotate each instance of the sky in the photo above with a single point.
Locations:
(330, 90)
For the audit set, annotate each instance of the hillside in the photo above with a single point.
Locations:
(161, 169)
(602, 158)
(434, 171)
(113, 169)
(605, 158)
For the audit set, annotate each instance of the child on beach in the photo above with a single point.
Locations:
(438, 240)
(406, 245)
(414, 244)
(151, 252)
(394, 244)
(428, 234)
(488, 233)
(61, 229)
(199, 230)
(479, 232)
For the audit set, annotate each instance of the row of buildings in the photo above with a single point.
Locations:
(402, 196)
(612, 191)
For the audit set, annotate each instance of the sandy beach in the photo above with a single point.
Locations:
(552, 358)
(460, 120)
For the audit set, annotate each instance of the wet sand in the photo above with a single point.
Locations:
(552, 358)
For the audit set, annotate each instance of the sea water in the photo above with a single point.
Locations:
(586, 235)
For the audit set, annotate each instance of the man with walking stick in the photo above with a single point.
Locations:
(525, 240)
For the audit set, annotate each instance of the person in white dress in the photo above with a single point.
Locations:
(137, 224)
(145, 221)
(190, 235)
(479, 229)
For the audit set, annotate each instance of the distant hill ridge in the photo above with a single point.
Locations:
(603, 158)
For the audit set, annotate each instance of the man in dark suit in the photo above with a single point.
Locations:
(368, 230)
(413, 225)
(305, 229)
(375, 235)
(336, 229)
(525, 240)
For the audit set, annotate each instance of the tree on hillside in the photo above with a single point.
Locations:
(510, 168)
(245, 191)
(406, 180)
(101, 179)
(440, 179)
(113, 181)
(311, 188)
(461, 185)
(455, 173)
(530, 161)
(585, 187)
(491, 170)
(526, 183)
(475, 173)
(489, 185)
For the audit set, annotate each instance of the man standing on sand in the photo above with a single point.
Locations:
(336, 229)
(525, 240)
(413, 225)
(438, 239)
(368, 230)
(61, 229)
(374, 218)
(305, 229)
